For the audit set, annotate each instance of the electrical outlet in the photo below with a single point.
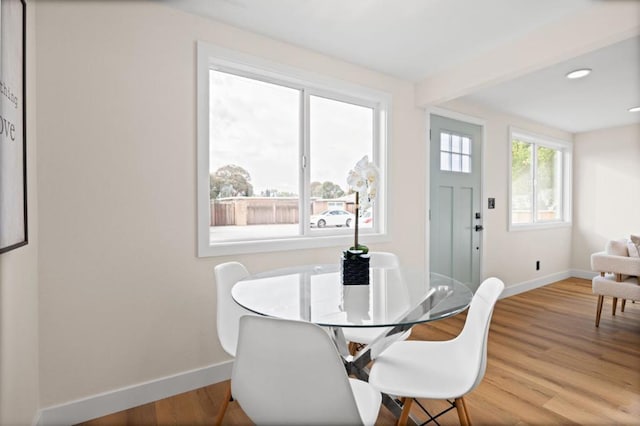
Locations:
(537, 265)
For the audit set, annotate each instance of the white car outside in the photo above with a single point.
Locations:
(332, 218)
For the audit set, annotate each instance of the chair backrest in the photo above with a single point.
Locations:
(382, 259)
(289, 373)
(472, 340)
(229, 312)
(397, 298)
(316, 269)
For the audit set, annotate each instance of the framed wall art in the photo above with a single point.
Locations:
(13, 141)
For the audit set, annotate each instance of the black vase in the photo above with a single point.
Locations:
(355, 269)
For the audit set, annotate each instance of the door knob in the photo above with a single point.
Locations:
(479, 228)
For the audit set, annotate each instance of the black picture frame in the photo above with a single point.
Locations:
(13, 119)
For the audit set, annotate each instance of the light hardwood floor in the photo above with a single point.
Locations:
(548, 364)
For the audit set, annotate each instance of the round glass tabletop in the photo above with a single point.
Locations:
(315, 293)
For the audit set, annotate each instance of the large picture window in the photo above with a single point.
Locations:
(275, 148)
(540, 181)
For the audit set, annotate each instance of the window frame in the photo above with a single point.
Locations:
(566, 147)
(461, 153)
(215, 57)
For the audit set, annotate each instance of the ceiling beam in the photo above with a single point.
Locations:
(601, 25)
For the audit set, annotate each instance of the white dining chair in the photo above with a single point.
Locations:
(442, 369)
(290, 373)
(228, 317)
(360, 336)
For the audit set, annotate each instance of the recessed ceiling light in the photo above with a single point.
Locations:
(634, 109)
(583, 72)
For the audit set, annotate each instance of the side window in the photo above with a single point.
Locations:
(539, 180)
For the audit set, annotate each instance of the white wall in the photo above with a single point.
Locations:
(19, 385)
(607, 195)
(123, 297)
(512, 256)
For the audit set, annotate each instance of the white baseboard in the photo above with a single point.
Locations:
(132, 396)
(518, 288)
(581, 273)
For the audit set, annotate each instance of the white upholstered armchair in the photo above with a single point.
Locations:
(619, 267)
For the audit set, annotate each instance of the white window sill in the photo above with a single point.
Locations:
(343, 242)
(538, 226)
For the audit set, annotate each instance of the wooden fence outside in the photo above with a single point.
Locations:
(254, 211)
(262, 210)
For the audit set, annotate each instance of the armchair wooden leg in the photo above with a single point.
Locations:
(406, 407)
(624, 302)
(225, 403)
(613, 307)
(599, 309)
(463, 414)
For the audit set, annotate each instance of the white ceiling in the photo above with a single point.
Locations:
(597, 101)
(413, 39)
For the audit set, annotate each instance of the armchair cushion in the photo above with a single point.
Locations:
(617, 248)
(607, 286)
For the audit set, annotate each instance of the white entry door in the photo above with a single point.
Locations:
(455, 206)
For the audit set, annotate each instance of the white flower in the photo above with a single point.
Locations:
(356, 181)
(364, 201)
(364, 180)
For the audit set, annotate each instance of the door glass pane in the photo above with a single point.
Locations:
(455, 143)
(548, 178)
(340, 134)
(466, 145)
(253, 163)
(456, 162)
(445, 161)
(466, 164)
(445, 142)
(521, 182)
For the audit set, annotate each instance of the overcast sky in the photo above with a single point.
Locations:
(255, 125)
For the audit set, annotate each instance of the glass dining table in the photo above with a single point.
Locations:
(395, 299)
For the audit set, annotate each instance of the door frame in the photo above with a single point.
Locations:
(483, 207)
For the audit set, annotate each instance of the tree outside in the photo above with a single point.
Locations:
(326, 190)
(522, 157)
(230, 181)
(521, 174)
(276, 193)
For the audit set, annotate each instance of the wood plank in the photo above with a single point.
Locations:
(547, 364)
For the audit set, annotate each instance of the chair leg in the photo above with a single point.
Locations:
(406, 407)
(463, 414)
(599, 309)
(613, 306)
(624, 302)
(225, 403)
